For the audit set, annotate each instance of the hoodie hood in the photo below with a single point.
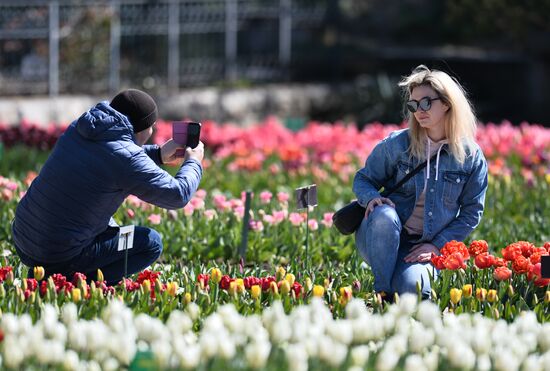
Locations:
(102, 123)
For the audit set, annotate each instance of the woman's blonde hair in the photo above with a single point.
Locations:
(459, 120)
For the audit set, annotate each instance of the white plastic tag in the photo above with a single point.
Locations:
(126, 237)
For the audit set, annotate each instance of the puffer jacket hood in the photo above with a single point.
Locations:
(103, 123)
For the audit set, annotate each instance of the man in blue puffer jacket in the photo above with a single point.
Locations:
(64, 223)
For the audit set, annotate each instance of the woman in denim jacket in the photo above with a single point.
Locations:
(443, 202)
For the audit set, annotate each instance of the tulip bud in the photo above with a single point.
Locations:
(216, 275)
(290, 278)
(25, 285)
(481, 294)
(240, 286)
(346, 292)
(20, 295)
(233, 288)
(38, 273)
(547, 297)
(433, 294)
(456, 294)
(32, 297)
(9, 277)
(510, 290)
(100, 277)
(467, 290)
(535, 299)
(284, 287)
(326, 283)
(172, 288)
(146, 284)
(308, 285)
(281, 272)
(356, 286)
(496, 314)
(418, 287)
(76, 295)
(255, 292)
(187, 298)
(2, 290)
(273, 288)
(342, 301)
(318, 291)
(492, 296)
(158, 286)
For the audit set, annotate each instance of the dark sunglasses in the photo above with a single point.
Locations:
(424, 104)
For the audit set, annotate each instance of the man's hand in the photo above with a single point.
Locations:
(421, 253)
(378, 201)
(168, 153)
(196, 153)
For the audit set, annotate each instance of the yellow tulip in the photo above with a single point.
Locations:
(100, 277)
(290, 278)
(233, 287)
(216, 275)
(318, 291)
(467, 290)
(547, 297)
(281, 272)
(76, 295)
(240, 285)
(456, 295)
(346, 292)
(172, 288)
(146, 285)
(255, 292)
(38, 273)
(308, 284)
(481, 294)
(187, 298)
(492, 296)
(273, 287)
(284, 287)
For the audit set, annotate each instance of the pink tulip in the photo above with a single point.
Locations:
(154, 219)
(265, 197)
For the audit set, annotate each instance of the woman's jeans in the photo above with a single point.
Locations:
(103, 254)
(383, 244)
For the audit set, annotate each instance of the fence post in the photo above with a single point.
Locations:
(54, 48)
(173, 45)
(285, 32)
(114, 68)
(231, 29)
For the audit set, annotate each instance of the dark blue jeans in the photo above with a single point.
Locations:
(103, 254)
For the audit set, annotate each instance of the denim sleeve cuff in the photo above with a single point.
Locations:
(439, 241)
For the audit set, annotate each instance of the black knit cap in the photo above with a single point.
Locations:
(138, 106)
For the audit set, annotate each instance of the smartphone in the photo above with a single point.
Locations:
(186, 134)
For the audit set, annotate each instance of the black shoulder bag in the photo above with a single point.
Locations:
(349, 218)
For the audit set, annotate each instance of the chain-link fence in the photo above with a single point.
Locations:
(60, 47)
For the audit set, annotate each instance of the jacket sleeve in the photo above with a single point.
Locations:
(472, 201)
(144, 179)
(374, 175)
(153, 151)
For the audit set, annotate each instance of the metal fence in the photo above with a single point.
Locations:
(62, 47)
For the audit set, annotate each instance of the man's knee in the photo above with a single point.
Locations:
(155, 243)
(413, 280)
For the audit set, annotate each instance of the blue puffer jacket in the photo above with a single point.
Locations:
(94, 166)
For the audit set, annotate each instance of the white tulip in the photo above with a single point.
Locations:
(13, 355)
(532, 363)
(193, 310)
(461, 355)
(420, 338)
(69, 313)
(179, 322)
(162, 351)
(481, 343)
(190, 356)
(431, 359)
(296, 357)
(407, 304)
(280, 332)
(387, 359)
(356, 309)
(76, 338)
(341, 331)
(414, 362)
(70, 360)
(110, 364)
(9, 324)
(227, 348)
(483, 362)
(429, 314)
(545, 361)
(359, 355)
(257, 353)
(93, 366)
(505, 360)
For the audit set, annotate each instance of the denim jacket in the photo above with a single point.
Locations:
(454, 202)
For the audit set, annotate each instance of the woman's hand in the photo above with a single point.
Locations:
(378, 201)
(421, 253)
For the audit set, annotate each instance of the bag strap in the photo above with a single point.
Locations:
(415, 171)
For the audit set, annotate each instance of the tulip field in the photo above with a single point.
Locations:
(299, 297)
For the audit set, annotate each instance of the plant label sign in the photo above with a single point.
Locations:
(126, 237)
(306, 196)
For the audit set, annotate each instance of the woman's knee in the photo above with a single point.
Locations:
(384, 218)
(412, 280)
